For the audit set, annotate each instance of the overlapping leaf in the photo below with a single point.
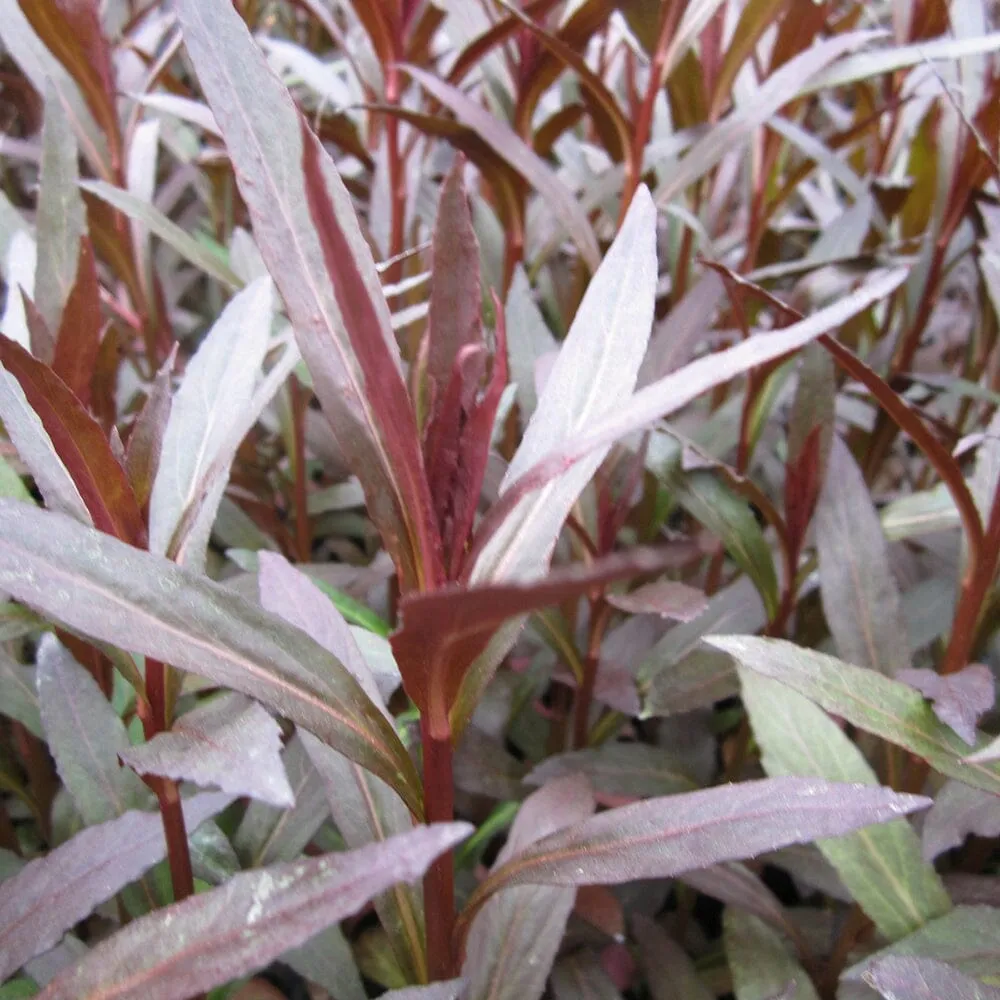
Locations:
(109, 591)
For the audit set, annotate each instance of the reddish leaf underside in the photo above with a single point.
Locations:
(80, 443)
(445, 630)
(79, 338)
(388, 397)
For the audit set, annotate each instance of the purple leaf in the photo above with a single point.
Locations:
(860, 597)
(365, 809)
(958, 699)
(664, 837)
(288, 593)
(264, 136)
(666, 396)
(623, 770)
(267, 835)
(968, 939)
(230, 742)
(912, 978)
(110, 591)
(85, 736)
(454, 320)
(670, 974)
(516, 935)
(445, 630)
(51, 894)
(243, 925)
(666, 598)
(735, 885)
(959, 810)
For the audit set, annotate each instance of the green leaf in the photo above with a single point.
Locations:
(729, 517)
(145, 604)
(866, 699)
(18, 695)
(761, 965)
(882, 865)
(192, 250)
(968, 939)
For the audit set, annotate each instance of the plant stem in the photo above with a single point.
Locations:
(174, 829)
(599, 615)
(167, 792)
(397, 174)
(439, 882)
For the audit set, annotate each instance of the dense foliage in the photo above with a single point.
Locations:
(499, 499)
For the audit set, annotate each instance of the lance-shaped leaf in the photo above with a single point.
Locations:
(761, 965)
(327, 961)
(882, 865)
(267, 835)
(78, 342)
(657, 400)
(444, 631)
(365, 809)
(515, 938)
(230, 743)
(455, 316)
(663, 837)
(73, 34)
(208, 412)
(670, 974)
(145, 443)
(85, 736)
(61, 220)
(593, 376)
(958, 811)
(28, 435)
(309, 237)
(867, 700)
(52, 893)
(511, 148)
(80, 444)
(958, 699)
(914, 978)
(860, 597)
(734, 884)
(528, 340)
(968, 939)
(18, 695)
(665, 598)
(243, 925)
(141, 602)
(155, 221)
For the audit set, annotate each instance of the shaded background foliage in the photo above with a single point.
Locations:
(499, 499)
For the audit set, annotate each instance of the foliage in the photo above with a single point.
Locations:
(499, 499)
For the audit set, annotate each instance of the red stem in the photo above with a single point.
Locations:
(439, 882)
(167, 791)
(599, 615)
(397, 173)
(644, 120)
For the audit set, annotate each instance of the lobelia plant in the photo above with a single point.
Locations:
(461, 624)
